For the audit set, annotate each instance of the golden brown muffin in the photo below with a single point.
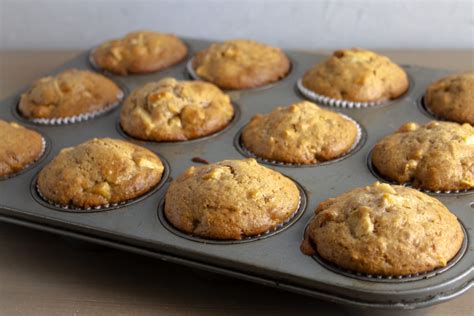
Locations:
(452, 98)
(170, 110)
(301, 133)
(241, 64)
(357, 75)
(70, 93)
(385, 230)
(435, 156)
(231, 199)
(99, 172)
(139, 52)
(19, 147)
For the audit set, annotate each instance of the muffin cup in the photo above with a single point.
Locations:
(41, 199)
(382, 178)
(324, 100)
(359, 142)
(390, 278)
(273, 231)
(41, 156)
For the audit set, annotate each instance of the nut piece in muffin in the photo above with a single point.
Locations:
(231, 199)
(19, 147)
(385, 230)
(241, 64)
(452, 98)
(437, 156)
(357, 75)
(139, 52)
(171, 110)
(99, 172)
(301, 133)
(70, 93)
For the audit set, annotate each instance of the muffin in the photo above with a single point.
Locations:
(438, 156)
(241, 64)
(385, 230)
(99, 172)
(231, 199)
(357, 75)
(171, 110)
(139, 52)
(19, 148)
(68, 94)
(301, 133)
(452, 98)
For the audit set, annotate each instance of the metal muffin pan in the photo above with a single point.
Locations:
(276, 260)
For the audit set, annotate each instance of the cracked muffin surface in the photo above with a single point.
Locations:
(241, 64)
(357, 75)
(19, 147)
(70, 93)
(435, 156)
(452, 98)
(99, 172)
(231, 199)
(139, 52)
(385, 230)
(301, 133)
(172, 110)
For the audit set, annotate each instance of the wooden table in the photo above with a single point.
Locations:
(44, 274)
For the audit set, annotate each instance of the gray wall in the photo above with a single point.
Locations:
(292, 24)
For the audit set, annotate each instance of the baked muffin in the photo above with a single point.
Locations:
(385, 230)
(452, 98)
(70, 93)
(231, 199)
(357, 75)
(170, 110)
(99, 172)
(19, 148)
(241, 64)
(139, 52)
(435, 156)
(301, 133)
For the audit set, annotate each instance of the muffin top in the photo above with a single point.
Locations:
(19, 147)
(99, 172)
(301, 133)
(170, 110)
(231, 199)
(241, 64)
(139, 52)
(385, 230)
(435, 156)
(357, 75)
(452, 98)
(69, 93)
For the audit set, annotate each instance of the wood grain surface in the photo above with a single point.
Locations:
(45, 274)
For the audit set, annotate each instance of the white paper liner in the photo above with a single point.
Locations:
(379, 176)
(250, 154)
(77, 118)
(324, 100)
(274, 230)
(26, 167)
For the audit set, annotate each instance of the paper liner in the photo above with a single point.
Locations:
(246, 152)
(293, 218)
(392, 278)
(324, 100)
(30, 165)
(382, 178)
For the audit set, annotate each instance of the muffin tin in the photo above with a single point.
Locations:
(275, 260)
